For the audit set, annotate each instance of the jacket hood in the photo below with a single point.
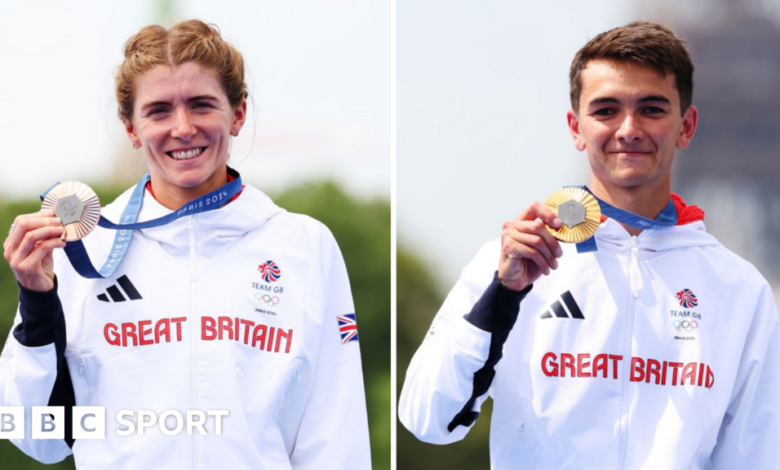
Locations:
(216, 228)
(689, 231)
(689, 235)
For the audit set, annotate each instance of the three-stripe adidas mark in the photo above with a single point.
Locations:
(572, 310)
(116, 294)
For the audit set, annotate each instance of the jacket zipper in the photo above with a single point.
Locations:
(634, 284)
(193, 334)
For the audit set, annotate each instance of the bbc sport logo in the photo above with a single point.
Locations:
(89, 422)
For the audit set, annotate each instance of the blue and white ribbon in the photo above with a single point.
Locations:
(78, 256)
(666, 218)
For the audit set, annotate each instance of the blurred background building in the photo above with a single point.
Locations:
(733, 164)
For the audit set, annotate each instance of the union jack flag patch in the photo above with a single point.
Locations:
(348, 328)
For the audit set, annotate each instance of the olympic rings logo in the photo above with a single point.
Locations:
(266, 299)
(686, 325)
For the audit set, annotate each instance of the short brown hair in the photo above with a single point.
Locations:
(642, 42)
(188, 41)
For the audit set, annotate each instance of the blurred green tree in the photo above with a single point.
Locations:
(362, 229)
(418, 301)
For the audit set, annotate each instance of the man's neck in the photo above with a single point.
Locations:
(647, 200)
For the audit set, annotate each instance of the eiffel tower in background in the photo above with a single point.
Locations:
(732, 167)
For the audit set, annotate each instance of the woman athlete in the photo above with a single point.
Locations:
(225, 337)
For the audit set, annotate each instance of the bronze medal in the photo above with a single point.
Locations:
(77, 205)
(579, 212)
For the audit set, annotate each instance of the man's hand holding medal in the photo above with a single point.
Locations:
(530, 243)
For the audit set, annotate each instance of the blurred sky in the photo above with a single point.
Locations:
(318, 72)
(482, 101)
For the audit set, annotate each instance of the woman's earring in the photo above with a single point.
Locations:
(136, 146)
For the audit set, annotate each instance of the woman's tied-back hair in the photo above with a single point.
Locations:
(188, 41)
(649, 44)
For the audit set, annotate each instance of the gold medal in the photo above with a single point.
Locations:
(579, 212)
(77, 205)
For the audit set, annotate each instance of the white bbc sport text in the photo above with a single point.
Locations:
(195, 419)
(89, 422)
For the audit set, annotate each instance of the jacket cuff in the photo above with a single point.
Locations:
(496, 311)
(40, 312)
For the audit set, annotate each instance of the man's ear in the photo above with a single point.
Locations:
(689, 122)
(574, 129)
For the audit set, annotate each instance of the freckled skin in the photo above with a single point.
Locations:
(184, 108)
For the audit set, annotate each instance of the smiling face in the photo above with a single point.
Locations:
(183, 122)
(630, 124)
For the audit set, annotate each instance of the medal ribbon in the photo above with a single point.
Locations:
(666, 218)
(78, 256)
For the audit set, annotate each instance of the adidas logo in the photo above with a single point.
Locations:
(572, 310)
(116, 294)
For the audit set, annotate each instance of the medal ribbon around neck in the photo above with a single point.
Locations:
(78, 256)
(579, 212)
(666, 218)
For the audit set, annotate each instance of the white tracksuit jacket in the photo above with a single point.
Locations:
(604, 367)
(204, 330)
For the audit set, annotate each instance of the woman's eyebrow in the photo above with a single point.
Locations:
(202, 97)
(155, 103)
(190, 100)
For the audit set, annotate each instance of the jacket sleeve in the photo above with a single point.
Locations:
(749, 435)
(33, 370)
(334, 428)
(450, 374)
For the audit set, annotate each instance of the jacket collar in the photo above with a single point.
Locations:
(689, 231)
(692, 234)
(214, 229)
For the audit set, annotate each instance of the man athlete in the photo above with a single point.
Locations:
(659, 350)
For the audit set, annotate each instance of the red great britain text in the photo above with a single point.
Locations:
(642, 370)
(146, 332)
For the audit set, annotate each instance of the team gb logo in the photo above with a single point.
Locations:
(687, 298)
(270, 271)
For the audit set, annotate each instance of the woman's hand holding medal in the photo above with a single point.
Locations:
(69, 212)
(528, 249)
(28, 249)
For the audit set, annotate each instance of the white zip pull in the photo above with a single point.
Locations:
(633, 267)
